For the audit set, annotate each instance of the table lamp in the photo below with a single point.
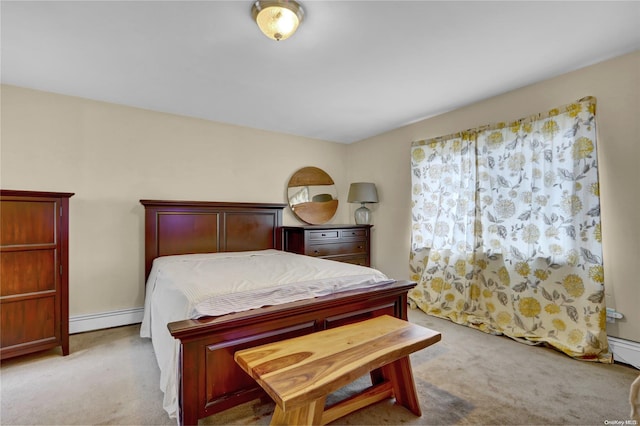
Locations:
(362, 192)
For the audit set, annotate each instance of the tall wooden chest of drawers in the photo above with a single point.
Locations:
(34, 277)
(344, 243)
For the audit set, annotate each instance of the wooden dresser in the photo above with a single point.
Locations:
(34, 273)
(344, 243)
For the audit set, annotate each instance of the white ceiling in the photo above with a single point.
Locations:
(353, 70)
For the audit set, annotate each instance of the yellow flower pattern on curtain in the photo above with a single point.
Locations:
(506, 230)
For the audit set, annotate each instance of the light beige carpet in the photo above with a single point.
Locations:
(469, 378)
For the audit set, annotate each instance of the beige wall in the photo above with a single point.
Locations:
(616, 85)
(112, 156)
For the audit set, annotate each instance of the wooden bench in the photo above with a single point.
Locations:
(299, 373)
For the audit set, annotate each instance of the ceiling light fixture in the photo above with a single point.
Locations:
(277, 19)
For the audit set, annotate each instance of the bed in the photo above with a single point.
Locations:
(206, 379)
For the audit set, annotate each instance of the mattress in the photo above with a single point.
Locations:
(211, 284)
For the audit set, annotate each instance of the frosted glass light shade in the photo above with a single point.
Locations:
(277, 19)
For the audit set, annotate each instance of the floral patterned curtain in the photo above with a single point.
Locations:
(506, 230)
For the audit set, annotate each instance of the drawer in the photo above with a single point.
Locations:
(353, 233)
(354, 260)
(337, 248)
(323, 235)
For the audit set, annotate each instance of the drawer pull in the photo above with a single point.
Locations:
(316, 251)
(324, 235)
(360, 247)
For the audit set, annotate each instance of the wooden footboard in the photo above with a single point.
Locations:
(210, 379)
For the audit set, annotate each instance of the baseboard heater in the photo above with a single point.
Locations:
(92, 322)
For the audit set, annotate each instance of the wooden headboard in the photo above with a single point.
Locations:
(185, 227)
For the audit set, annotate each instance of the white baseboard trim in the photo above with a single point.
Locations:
(92, 322)
(625, 351)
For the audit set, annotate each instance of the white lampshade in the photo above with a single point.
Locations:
(363, 192)
(277, 19)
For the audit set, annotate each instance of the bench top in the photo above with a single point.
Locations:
(304, 368)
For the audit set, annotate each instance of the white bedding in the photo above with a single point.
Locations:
(191, 286)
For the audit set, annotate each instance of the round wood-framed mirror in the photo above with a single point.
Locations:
(312, 195)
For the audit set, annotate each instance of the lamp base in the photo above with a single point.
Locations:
(363, 215)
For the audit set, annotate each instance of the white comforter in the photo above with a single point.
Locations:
(191, 286)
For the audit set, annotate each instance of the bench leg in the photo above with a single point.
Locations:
(377, 376)
(400, 375)
(306, 415)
